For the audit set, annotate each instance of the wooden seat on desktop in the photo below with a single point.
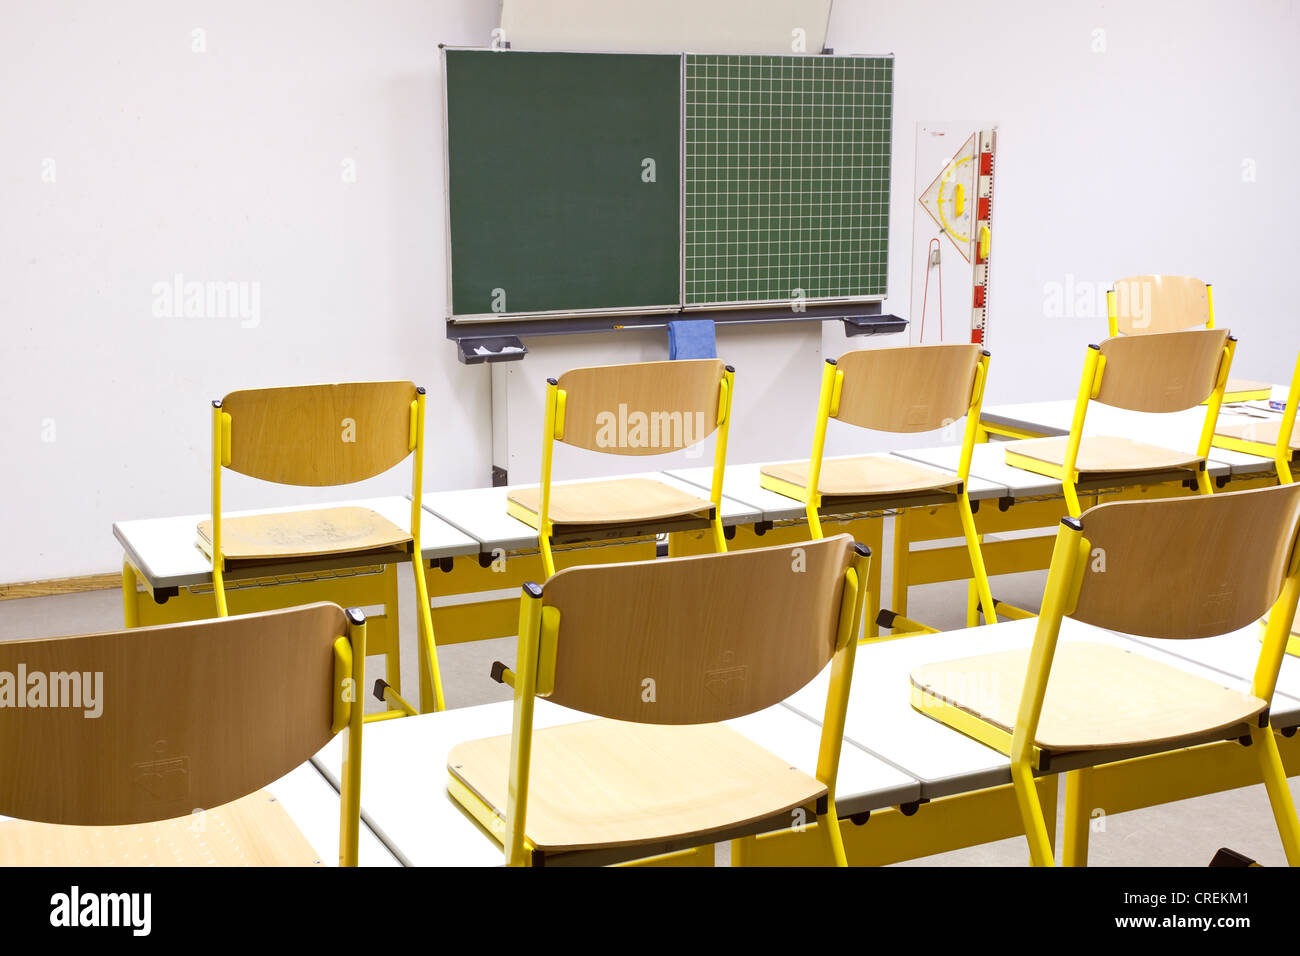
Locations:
(612, 507)
(300, 534)
(610, 783)
(1099, 698)
(201, 714)
(639, 409)
(718, 636)
(1265, 433)
(1100, 456)
(1171, 568)
(848, 480)
(1140, 305)
(1156, 373)
(252, 831)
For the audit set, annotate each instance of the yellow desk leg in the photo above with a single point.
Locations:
(1078, 817)
(130, 594)
(902, 553)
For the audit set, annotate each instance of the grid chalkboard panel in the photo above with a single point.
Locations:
(787, 177)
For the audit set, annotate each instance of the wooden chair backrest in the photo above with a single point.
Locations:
(320, 435)
(1187, 567)
(700, 639)
(915, 388)
(191, 716)
(1163, 371)
(643, 408)
(1145, 304)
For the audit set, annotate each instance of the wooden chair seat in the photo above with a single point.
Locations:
(1262, 432)
(609, 504)
(1098, 456)
(1099, 697)
(868, 476)
(1244, 389)
(252, 831)
(296, 534)
(610, 783)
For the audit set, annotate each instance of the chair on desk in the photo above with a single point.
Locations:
(1275, 438)
(646, 408)
(662, 651)
(318, 436)
(195, 716)
(1166, 568)
(1160, 372)
(898, 390)
(1140, 305)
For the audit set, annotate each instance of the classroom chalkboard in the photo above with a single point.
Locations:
(564, 181)
(604, 182)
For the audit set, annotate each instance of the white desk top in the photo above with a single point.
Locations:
(167, 553)
(481, 512)
(404, 775)
(989, 463)
(882, 721)
(313, 804)
(743, 482)
(1180, 430)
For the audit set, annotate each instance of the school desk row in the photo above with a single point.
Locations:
(476, 555)
(908, 787)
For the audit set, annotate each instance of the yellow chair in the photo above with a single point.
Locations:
(1165, 568)
(900, 390)
(663, 651)
(1140, 305)
(646, 408)
(318, 436)
(184, 717)
(1160, 372)
(1276, 438)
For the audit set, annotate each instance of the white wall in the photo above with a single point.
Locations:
(227, 165)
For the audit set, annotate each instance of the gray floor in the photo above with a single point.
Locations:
(1182, 834)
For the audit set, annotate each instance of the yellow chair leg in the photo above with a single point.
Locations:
(1204, 483)
(1072, 499)
(1078, 818)
(219, 591)
(972, 604)
(981, 577)
(430, 677)
(1279, 794)
(719, 537)
(829, 824)
(1031, 814)
(548, 558)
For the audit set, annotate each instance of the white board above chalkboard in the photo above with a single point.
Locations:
(666, 26)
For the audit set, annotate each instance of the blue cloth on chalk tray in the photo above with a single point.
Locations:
(691, 339)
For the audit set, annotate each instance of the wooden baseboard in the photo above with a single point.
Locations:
(85, 582)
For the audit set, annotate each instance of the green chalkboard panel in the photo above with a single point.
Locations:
(549, 204)
(787, 177)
